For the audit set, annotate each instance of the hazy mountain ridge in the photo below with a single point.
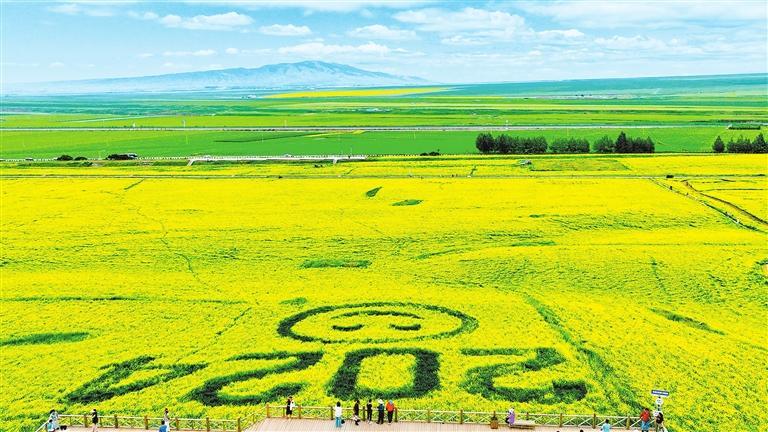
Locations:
(307, 74)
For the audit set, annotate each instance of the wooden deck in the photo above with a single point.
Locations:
(303, 425)
(296, 425)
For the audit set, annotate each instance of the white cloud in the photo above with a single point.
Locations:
(319, 49)
(378, 31)
(225, 21)
(319, 5)
(446, 21)
(461, 40)
(232, 51)
(149, 16)
(67, 9)
(570, 33)
(655, 46)
(95, 9)
(621, 13)
(285, 30)
(198, 53)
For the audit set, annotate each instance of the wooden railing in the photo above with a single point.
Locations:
(153, 423)
(462, 417)
(592, 421)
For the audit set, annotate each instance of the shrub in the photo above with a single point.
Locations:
(758, 145)
(605, 145)
(64, 157)
(718, 146)
(740, 145)
(81, 158)
(626, 144)
(503, 144)
(569, 145)
(485, 143)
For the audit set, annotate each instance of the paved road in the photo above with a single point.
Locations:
(352, 128)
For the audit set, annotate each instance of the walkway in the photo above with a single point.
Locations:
(296, 425)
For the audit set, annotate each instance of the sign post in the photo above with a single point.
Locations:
(660, 395)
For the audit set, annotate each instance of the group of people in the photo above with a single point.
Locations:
(645, 421)
(53, 424)
(382, 409)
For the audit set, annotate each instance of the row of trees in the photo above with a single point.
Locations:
(505, 144)
(741, 145)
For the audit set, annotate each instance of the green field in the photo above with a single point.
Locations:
(686, 118)
(96, 144)
(421, 110)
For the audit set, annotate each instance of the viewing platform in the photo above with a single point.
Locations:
(271, 418)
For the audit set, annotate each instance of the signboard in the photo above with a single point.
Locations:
(662, 393)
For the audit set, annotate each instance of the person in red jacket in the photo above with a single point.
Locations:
(390, 411)
(645, 420)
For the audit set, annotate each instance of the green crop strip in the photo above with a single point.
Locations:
(45, 338)
(425, 375)
(286, 326)
(104, 387)
(690, 322)
(480, 380)
(210, 394)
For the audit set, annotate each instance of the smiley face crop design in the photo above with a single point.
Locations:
(375, 322)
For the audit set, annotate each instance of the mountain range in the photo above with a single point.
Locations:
(306, 74)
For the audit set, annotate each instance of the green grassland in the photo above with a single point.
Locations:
(692, 115)
(423, 110)
(146, 143)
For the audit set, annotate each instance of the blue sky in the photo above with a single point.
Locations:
(441, 41)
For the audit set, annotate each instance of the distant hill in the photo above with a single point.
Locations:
(307, 74)
(756, 83)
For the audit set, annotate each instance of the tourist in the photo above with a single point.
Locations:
(645, 420)
(390, 411)
(94, 420)
(356, 412)
(369, 411)
(511, 417)
(163, 426)
(338, 413)
(49, 426)
(54, 419)
(660, 421)
(289, 406)
(380, 420)
(166, 417)
(606, 426)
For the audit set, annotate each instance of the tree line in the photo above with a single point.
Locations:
(741, 145)
(506, 144)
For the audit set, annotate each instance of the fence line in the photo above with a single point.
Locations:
(326, 413)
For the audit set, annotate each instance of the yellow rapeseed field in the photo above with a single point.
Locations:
(576, 291)
(398, 91)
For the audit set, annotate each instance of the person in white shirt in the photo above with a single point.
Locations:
(338, 412)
